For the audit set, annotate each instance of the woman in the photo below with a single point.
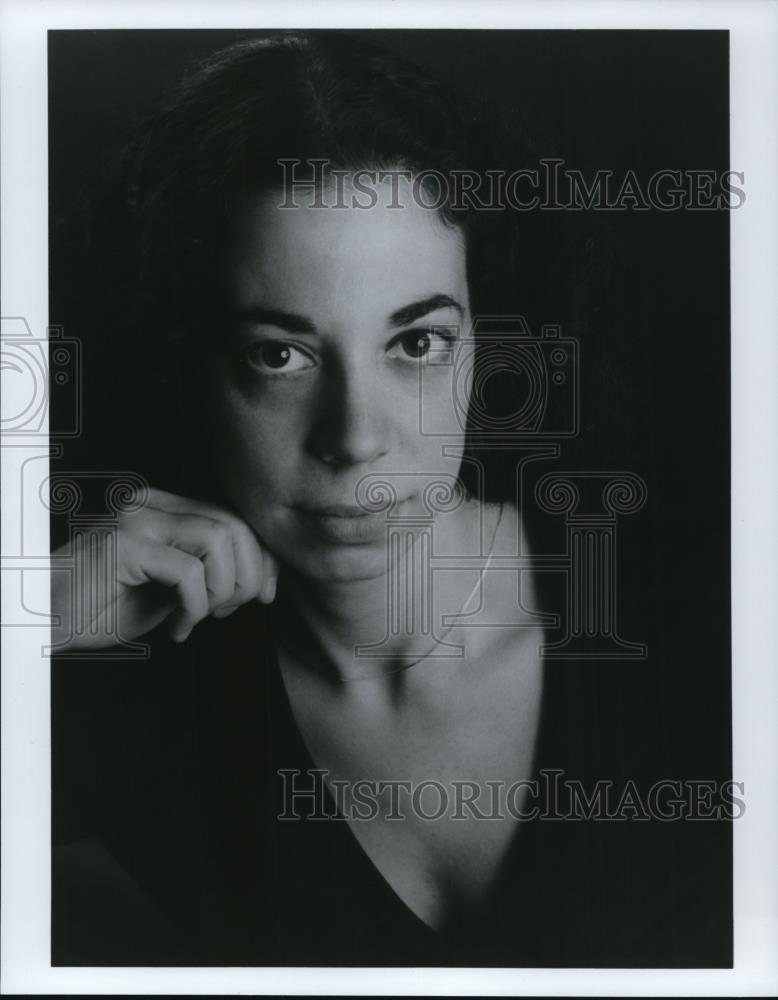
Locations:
(303, 650)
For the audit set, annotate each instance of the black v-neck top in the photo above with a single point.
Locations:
(169, 849)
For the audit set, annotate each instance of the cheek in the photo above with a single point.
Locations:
(445, 401)
(464, 375)
(253, 447)
(441, 439)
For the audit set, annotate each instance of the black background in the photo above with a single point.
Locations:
(646, 293)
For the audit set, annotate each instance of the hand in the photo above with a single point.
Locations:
(176, 559)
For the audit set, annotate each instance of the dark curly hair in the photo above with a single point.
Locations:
(163, 218)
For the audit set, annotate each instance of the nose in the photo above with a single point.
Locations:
(350, 426)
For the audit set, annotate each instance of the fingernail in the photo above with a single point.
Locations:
(226, 610)
(269, 592)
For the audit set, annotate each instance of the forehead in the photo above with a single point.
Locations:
(338, 260)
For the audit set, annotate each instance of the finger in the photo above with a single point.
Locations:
(173, 503)
(256, 568)
(256, 573)
(252, 561)
(148, 562)
(203, 537)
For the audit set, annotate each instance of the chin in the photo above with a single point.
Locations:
(330, 549)
(322, 563)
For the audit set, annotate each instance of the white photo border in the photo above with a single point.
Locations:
(753, 27)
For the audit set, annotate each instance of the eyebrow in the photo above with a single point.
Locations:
(414, 311)
(295, 323)
(261, 316)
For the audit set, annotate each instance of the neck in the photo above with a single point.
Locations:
(395, 618)
(353, 610)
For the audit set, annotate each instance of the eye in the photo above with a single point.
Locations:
(274, 357)
(429, 344)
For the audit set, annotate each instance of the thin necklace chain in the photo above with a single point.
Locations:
(450, 628)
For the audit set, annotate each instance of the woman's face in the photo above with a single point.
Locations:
(336, 351)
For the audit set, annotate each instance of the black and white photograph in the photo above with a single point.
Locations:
(385, 449)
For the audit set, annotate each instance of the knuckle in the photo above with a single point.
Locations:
(222, 593)
(238, 529)
(135, 522)
(246, 591)
(125, 519)
(219, 533)
(251, 579)
(194, 573)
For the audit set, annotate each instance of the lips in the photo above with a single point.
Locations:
(346, 523)
(339, 510)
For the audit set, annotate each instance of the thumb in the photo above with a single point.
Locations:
(270, 570)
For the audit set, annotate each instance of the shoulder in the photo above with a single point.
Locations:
(503, 532)
(507, 586)
(499, 630)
